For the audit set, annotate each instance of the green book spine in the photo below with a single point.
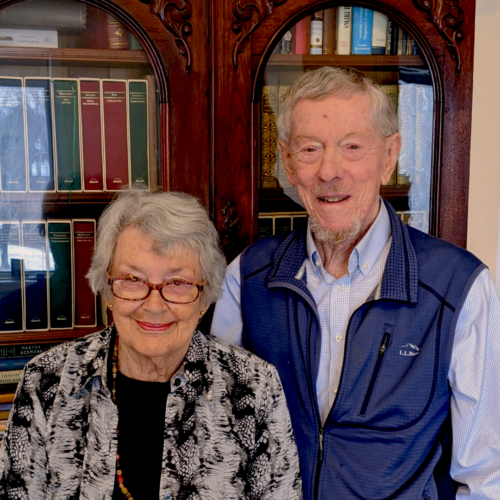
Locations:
(138, 132)
(264, 227)
(67, 132)
(60, 285)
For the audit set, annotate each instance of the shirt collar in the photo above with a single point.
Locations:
(365, 253)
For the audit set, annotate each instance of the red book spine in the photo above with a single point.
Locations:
(85, 303)
(90, 96)
(115, 135)
(300, 39)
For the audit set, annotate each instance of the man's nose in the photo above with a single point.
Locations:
(330, 167)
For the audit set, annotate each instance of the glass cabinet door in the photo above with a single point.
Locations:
(78, 122)
(385, 52)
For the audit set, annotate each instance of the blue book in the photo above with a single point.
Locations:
(40, 139)
(12, 140)
(60, 277)
(12, 364)
(35, 283)
(5, 406)
(11, 298)
(362, 27)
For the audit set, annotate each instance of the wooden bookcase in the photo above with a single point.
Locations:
(209, 58)
(246, 35)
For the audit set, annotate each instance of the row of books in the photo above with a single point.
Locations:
(73, 135)
(283, 223)
(42, 275)
(278, 223)
(6, 401)
(13, 358)
(347, 30)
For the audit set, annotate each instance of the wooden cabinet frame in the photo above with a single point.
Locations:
(208, 57)
(443, 29)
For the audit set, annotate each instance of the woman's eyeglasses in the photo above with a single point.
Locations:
(175, 291)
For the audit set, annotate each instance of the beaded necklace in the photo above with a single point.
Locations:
(114, 372)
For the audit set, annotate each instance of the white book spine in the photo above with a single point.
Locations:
(344, 25)
(317, 37)
(11, 37)
(379, 33)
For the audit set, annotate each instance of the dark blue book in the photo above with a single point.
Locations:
(35, 282)
(13, 364)
(11, 298)
(25, 350)
(362, 27)
(12, 140)
(40, 139)
(396, 29)
(60, 277)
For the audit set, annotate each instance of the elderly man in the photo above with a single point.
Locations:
(386, 339)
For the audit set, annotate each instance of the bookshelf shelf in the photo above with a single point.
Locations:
(49, 336)
(73, 55)
(278, 61)
(57, 198)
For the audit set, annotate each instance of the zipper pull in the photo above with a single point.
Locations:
(321, 435)
(383, 347)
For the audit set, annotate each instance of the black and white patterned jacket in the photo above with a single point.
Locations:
(227, 428)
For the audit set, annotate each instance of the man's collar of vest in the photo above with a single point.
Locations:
(400, 278)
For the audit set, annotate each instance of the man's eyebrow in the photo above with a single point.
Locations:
(306, 137)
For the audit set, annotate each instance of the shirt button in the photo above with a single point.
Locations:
(177, 382)
(365, 265)
(338, 338)
(171, 440)
(317, 261)
(340, 287)
(168, 496)
(336, 390)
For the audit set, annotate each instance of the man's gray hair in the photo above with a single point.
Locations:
(171, 220)
(340, 82)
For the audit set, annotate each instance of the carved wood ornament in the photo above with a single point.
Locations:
(174, 15)
(448, 17)
(231, 227)
(249, 14)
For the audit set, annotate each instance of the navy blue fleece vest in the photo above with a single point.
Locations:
(388, 434)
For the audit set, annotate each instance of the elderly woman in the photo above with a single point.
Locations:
(150, 408)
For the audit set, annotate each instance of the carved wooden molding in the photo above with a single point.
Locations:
(249, 14)
(174, 15)
(231, 226)
(448, 17)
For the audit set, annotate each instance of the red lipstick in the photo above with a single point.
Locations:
(153, 327)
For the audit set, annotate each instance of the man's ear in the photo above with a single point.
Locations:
(392, 149)
(287, 161)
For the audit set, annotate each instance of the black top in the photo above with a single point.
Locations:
(141, 420)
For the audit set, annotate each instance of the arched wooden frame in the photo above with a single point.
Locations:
(431, 63)
(424, 20)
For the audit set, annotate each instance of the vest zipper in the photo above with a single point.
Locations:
(381, 352)
(320, 428)
(320, 451)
